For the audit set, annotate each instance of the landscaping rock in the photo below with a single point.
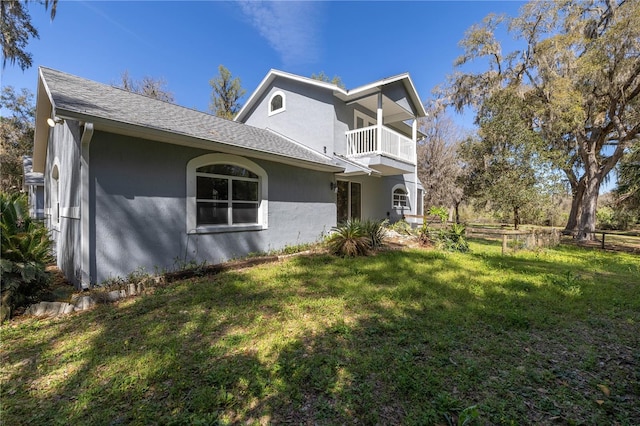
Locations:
(50, 309)
(83, 303)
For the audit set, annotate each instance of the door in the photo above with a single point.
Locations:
(349, 202)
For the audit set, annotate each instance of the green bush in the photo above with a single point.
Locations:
(376, 231)
(455, 238)
(356, 238)
(401, 227)
(452, 239)
(619, 219)
(26, 250)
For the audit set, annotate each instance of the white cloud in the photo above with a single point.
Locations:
(291, 28)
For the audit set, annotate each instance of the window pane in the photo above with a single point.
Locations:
(343, 201)
(245, 213)
(276, 103)
(212, 188)
(244, 190)
(213, 213)
(355, 200)
(227, 169)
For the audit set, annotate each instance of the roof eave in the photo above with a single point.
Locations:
(44, 109)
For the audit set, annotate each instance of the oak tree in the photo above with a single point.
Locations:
(578, 68)
(16, 30)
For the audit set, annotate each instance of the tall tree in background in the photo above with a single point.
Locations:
(501, 164)
(627, 192)
(439, 168)
(16, 30)
(16, 136)
(579, 69)
(321, 76)
(155, 88)
(226, 94)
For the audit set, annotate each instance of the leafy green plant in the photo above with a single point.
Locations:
(454, 239)
(349, 239)
(376, 232)
(401, 227)
(26, 249)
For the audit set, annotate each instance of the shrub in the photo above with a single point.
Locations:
(455, 239)
(375, 230)
(26, 250)
(452, 239)
(349, 239)
(401, 227)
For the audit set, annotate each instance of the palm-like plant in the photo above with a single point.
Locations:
(25, 251)
(349, 239)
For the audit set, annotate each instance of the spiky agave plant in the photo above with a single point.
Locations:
(376, 232)
(349, 239)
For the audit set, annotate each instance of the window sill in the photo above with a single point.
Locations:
(212, 229)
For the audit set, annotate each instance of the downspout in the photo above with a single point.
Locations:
(85, 228)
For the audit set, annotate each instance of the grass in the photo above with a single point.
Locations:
(413, 337)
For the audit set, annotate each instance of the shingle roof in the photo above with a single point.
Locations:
(31, 177)
(78, 96)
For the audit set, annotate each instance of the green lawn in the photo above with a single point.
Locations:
(412, 337)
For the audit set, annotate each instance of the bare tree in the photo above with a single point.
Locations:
(155, 88)
(438, 165)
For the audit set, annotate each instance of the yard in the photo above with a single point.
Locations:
(402, 337)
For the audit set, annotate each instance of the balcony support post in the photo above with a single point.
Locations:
(379, 124)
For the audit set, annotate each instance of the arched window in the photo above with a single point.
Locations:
(400, 197)
(55, 196)
(225, 192)
(277, 103)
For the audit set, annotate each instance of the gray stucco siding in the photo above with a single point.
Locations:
(139, 200)
(308, 117)
(63, 151)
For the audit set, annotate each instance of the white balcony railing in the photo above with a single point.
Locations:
(364, 142)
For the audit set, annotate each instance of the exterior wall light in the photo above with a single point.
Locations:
(53, 121)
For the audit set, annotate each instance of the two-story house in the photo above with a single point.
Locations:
(371, 131)
(132, 182)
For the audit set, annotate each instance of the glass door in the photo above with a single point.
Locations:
(349, 201)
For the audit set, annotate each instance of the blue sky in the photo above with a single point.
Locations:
(184, 42)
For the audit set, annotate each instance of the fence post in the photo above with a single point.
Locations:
(504, 243)
(603, 234)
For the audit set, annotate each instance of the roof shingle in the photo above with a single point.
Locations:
(73, 94)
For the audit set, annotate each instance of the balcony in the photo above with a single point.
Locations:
(382, 149)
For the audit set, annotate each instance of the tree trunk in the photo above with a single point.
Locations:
(587, 227)
(576, 209)
(457, 207)
(516, 218)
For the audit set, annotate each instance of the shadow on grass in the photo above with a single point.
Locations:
(409, 337)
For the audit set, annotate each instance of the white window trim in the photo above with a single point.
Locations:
(263, 195)
(55, 207)
(284, 103)
(393, 203)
